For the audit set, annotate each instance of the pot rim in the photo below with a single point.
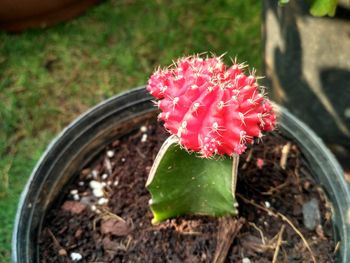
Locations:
(49, 147)
(341, 196)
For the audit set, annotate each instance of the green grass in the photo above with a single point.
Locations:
(50, 76)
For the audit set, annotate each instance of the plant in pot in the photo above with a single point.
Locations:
(307, 62)
(18, 15)
(87, 200)
(319, 7)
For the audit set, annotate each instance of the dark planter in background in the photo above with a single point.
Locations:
(81, 141)
(17, 15)
(307, 64)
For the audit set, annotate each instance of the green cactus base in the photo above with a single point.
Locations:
(181, 183)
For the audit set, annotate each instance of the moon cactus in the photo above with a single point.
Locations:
(211, 109)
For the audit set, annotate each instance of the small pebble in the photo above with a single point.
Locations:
(98, 192)
(110, 154)
(123, 160)
(108, 165)
(246, 260)
(116, 182)
(87, 200)
(109, 182)
(102, 201)
(104, 176)
(74, 192)
(62, 252)
(307, 185)
(144, 137)
(143, 129)
(81, 183)
(76, 256)
(311, 214)
(76, 197)
(267, 204)
(93, 208)
(95, 185)
(104, 184)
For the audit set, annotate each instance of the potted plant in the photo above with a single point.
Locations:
(83, 187)
(319, 7)
(18, 15)
(306, 62)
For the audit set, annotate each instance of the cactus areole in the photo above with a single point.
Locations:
(211, 108)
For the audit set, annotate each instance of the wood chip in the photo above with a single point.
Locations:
(227, 231)
(115, 227)
(108, 244)
(284, 155)
(73, 207)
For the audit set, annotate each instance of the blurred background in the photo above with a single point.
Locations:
(48, 76)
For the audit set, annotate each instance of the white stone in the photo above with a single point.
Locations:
(143, 129)
(311, 214)
(98, 192)
(104, 176)
(144, 137)
(102, 201)
(246, 260)
(76, 256)
(110, 153)
(76, 197)
(95, 185)
(74, 192)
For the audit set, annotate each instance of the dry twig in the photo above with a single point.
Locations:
(227, 231)
(107, 214)
(284, 155)
(263, 239)
(278, 244)
(284, 218)
(337, 246)
(272, 190)
(61, 251)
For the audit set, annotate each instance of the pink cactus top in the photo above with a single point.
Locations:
(211, 108)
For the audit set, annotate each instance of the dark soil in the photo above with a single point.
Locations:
(121, 230)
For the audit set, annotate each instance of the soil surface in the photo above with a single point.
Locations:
(105, 215)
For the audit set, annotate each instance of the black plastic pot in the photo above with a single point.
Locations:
(80, 141)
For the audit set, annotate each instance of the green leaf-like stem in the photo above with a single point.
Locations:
(181, 183)
(323, 7)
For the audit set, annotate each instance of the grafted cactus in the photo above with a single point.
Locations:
(210, 109)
